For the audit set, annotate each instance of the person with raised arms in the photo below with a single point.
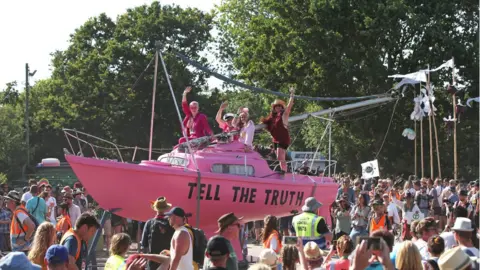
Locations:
(277, 125)
(195, 123)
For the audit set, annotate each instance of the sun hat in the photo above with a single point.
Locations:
(311, 205)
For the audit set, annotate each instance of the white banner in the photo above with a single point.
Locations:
(370, 169)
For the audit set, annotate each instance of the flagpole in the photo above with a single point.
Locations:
(430, 125)
(421, 143)
(415, 147)
(455, 165)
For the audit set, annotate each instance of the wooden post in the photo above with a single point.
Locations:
(437, 148)
(415, 147)
(421, 147)
(455, 164)
(430, 124)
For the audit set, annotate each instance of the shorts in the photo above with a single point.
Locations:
(286, 223)
(281, 145)
(437, 211)
(258, 224)
(107, 228)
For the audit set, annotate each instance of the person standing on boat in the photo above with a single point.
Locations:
(309, 226)
(277, 125)
(226, 124)
(246, 127)
(195, 123)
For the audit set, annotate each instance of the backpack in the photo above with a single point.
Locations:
(161, 234)
(199, 244)
(433, 264)
(32, 218)
(475, 264)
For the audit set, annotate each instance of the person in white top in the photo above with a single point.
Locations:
(426, 228)
(181, 246)
(462, 231)
(27, 195)
(73, 210)
(246, 127)
(391, 210)
(51, 204)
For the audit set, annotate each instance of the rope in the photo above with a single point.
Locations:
(262, 90)
(318, 147)
(388, 128)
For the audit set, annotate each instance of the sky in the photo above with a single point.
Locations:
(31, 30)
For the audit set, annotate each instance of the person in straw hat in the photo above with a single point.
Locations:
(457, 259)
(313, 255)
(311, 227)
(157, 232)
(228, 227)
(277, 125)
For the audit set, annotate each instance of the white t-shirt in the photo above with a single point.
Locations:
(75, 213)
(26, 196)
(423, 248)
(393, 212)
(246, 133)
(449, 239)
(22, 216)
(51, 203)
(439, 194)
(473, 250)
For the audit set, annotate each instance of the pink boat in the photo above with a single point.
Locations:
(231, 181)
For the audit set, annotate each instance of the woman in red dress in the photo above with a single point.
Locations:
(277, 125)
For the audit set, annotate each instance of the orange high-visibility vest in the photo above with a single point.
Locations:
(61, 223)
(77, 237)
(275, 234)
(15, 227)
(382, 223)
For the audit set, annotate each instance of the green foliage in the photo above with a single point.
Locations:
(3, 178)
(345, 48)
(12, 146)
(100, 84)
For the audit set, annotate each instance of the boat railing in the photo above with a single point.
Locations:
(82, 143)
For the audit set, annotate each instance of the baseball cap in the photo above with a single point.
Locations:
(177, 211)
(217, 246)
(463, 192)
(56, 254)
(17, 261)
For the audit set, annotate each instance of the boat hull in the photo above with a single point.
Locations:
(132, 187)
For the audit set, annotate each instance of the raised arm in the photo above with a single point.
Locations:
(185, 108)
(182, 244)
(286, 114)
(219, 119)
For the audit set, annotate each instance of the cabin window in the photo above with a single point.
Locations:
(176, 161)
(235, 169)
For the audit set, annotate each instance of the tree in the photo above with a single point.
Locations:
(12, 144)
(91, 86)
(345, 48)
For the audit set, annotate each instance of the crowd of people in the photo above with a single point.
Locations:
(434, 223)
(423, 224)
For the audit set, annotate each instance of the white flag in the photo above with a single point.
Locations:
(370, 169)
(417, 76)
(448, 64)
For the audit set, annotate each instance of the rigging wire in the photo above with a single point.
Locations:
(262, 90)
(388, 128)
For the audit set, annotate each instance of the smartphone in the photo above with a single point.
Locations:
(290, 240)
(372, 242)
